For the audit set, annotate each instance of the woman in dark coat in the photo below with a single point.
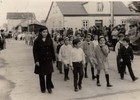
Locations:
(43, 52)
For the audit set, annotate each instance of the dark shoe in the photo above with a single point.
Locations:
(98, 84)
(68, 78)
(65, 79)
(86, 76)
(109, 85)
(122, 78)
(50, 91)
(93, 77)
(75, 89)
(43, 91)
(80, 87)
(135, 79)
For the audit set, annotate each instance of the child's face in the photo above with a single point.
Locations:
(96, 37)
(61, 42)
(125, 43)
(78, 45)
(102, 41)
(88, 38)
(66, 41)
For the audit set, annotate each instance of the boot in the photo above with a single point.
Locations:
(98, 81)
(92, 71)
(86, 72)
(65, 74)
(107, 80)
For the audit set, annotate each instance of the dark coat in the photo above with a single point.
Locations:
(43, 53)
(2, 42)
(126, 53)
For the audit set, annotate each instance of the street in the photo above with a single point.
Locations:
(18, 81)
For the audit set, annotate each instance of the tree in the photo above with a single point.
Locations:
(134, 6)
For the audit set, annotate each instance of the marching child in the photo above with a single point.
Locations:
(126, 57)
(88, 48)
(101, 53)
(59, 63)
(77, 61)
(64, 57)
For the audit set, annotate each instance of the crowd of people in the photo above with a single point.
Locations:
(76, 49)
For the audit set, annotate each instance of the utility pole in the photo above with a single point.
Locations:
(112, 14)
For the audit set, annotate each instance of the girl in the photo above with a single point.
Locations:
(101, 54)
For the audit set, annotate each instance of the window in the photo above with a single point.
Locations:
(100, 6)
(85, 24)
(123, 21)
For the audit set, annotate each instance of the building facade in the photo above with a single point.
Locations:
(86, 14)
(15, 18)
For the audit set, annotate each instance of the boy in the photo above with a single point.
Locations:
(117, 48)
(59, 63)
(64, 57)
(77, 61)
(88, 48)
(126, 57)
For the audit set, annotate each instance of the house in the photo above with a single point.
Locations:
(15, 18)
(86, 14)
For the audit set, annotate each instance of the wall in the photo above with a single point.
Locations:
(91, 7)
(55, 19)
(12, 23)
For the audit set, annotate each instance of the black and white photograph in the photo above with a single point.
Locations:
(69, 50)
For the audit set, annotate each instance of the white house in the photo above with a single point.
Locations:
(15, 18)
(86, 14)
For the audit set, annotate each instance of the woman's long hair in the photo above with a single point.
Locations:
(40, 33)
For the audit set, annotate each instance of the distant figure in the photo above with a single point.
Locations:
(2, 40)
(44, 55)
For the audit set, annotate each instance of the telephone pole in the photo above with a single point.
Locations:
(112, 14)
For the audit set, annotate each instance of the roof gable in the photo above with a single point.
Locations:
(20, 15)
(121, 9)
(70, 8)
(77, 8)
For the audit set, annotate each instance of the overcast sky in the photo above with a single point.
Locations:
(39, 7)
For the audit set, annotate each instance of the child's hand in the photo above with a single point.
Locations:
(71, 67)
(121, 60)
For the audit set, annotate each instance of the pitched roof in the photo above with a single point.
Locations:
(71, 8)
(20, 15)
(77, 8)
(121, 9)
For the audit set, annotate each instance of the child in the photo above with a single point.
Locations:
(88, 48)
(64, 57)
(59, 63)
(117, 48)
(126, 57)
(77, 61)
(101, 54)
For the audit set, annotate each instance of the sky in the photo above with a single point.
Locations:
(39, 7)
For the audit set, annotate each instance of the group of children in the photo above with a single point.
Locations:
(76, 53)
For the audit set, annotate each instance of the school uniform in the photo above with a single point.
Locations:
(126, 54)
(77, 61)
